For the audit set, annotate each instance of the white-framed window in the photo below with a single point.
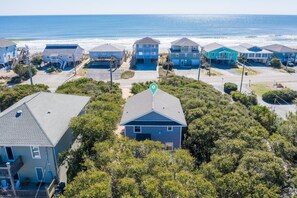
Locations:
(177, 55)
(140, 53)
(35, 151)
(169, 128)
(137, 129)
(39, 173)
(169, 146)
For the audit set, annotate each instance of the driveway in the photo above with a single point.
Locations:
(103, 73)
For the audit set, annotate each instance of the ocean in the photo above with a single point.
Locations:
(92, 30)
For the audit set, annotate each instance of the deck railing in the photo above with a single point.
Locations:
(50, 190)
(13, 166)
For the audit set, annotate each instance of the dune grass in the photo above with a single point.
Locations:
(127, 74)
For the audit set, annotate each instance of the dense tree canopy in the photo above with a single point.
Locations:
(10, 95)
(229, 150)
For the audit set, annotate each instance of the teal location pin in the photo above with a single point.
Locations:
(153, 88)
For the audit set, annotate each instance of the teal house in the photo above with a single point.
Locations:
(218, 53)
(184, 53)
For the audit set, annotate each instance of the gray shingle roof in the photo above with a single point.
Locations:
(161, 103)
(106, 48)
(212, 46)
(6, 43)
(279, 48)
(65, 49)
(147, 40)
(44, 119)
(184, 42)
(245, 48)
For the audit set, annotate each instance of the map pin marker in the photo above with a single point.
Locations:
(153, 88)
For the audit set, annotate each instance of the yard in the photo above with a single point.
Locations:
(261, 88)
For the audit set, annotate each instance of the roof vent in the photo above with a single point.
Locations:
(48, 112)
(163, 107)
(18, 113)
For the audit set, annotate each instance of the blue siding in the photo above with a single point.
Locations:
(158, 133)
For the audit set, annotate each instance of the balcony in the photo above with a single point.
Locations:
(9, 169)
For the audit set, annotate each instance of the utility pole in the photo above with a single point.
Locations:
(209, 67)
(243, 67)
(199, 69)
(112, 60)
(74, 64)
(28, 63)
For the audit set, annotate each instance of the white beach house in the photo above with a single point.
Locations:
(62, 54)
(8, 51)
(106, 52)
(253, 53)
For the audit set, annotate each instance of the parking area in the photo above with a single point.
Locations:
(102, 72)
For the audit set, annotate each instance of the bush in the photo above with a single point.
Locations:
(229, 87)
(280, 96)
(275, 63)
(246, 100)
(168, 66)
(23, 72)
(290, 70)
(127, 74)
(51, 69)
(36, 60)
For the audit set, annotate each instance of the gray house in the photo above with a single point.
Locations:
(62, 54)
(156, 117)
(184, 53)
(33, 133)
(107, 51)
(8, 51)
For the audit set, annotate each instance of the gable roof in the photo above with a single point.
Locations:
(66, 49)
(246, 48)
(161, 102)
(106, 48)
(147, 40)
(43, 120)
(184, 42)
(212, 46)
(279, 48)
(6, 43)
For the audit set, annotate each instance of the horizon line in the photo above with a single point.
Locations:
(25, 15)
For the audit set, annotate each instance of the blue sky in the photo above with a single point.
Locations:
(61, 7)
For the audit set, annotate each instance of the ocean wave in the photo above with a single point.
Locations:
(127, 43)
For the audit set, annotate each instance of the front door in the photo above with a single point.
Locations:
(9, 153)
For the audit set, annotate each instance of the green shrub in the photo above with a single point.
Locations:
(246, 100)
(280, 96)
(275, 62)
(168, 66)
(51, 69)
(290, 70)
(36, 60)
(229, 87)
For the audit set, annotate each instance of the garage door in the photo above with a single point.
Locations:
(195, 62)
(175, 61)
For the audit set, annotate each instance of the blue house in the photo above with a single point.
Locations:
(283, 53)
(146, 53)
(8, 51)
(157, 117)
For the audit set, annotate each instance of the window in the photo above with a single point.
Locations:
(35, 152)
(258, 55)
(39, 173)
(9, 153)
(137, 129)
(194, 55)
(177, 55)
(70, 57)
(169, 128)
(140, 53)
(213, 54)
(169, 146)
